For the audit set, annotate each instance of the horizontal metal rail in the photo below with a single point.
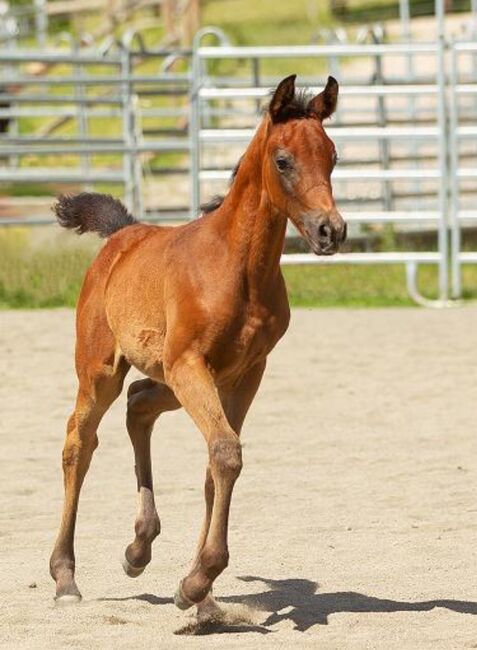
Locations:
(57, 112)
(345, 91)
(51, 175)
(361, 258)
(81, 57)
(220, 136)
(395, 216)
(96, 80)
(47, 149)
(468, 257)
(310, 51)
(353, 174)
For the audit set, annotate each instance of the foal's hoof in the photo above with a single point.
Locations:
(66, 599)
(130, 570)
(180, 600)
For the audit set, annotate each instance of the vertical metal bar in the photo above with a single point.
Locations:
(256, 80)
(127, 136)
(136, 161)
(79, 91)
(473, 21)
(405, 18)
(41, 22)
(443, 131)
(195, 108)
(194, 129)
(13, 130)
(386, 187)
(456, 280)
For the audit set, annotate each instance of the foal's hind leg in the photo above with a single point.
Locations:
(99, 387)
(146, 401)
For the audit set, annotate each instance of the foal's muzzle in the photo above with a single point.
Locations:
(325, 234)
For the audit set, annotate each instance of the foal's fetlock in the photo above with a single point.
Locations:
(192, 590)
(138, 554)
(195, 587)
(147, 529)
(62, 572)
(226, 457)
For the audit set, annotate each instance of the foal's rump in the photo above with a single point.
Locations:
(112, 283)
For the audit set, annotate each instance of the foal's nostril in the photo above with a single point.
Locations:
(324, 231)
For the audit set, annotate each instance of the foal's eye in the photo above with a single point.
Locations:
(282, 164)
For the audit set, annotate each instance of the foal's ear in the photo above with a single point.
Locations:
(282, 97)
(324, 104)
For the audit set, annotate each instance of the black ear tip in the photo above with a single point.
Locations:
(331, 81)
(288, 80)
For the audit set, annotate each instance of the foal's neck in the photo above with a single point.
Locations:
(254, 229)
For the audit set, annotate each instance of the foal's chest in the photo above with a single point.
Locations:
(251, 343)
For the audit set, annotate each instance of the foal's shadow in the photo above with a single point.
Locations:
(305, 608)
(296, 600)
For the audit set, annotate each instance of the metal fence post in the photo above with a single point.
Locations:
(127, 134)
(41, 22)
(443, 157)
(136, 161)
(456, 283)
(378, 79)
(194, 128)
(82, 117)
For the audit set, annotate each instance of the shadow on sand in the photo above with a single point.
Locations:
(296, 600)
(305, 608)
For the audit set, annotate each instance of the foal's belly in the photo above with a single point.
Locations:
(144, 349)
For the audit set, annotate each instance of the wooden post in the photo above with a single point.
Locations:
(168, 12)
(190, 21)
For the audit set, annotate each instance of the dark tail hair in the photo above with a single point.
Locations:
(92, 212)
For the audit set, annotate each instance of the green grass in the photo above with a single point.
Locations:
(46, 269)
(43, 270)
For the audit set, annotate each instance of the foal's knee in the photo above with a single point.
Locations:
(80, 443)
(226, 457)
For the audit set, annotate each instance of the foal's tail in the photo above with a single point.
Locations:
(92, 212)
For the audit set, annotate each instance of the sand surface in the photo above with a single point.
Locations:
(354, 522)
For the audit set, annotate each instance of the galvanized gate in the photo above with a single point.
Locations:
(210, 90)
(463, 145)
(416, 125)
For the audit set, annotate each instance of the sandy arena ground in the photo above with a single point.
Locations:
(354, 522)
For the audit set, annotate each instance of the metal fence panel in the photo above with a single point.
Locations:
(427, 118)
(208, 88)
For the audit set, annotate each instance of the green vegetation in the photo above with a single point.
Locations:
(46, 269)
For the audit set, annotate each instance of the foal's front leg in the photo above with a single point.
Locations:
(236, 403)
(193, 385)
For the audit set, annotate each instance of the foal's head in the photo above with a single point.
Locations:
(299, 158)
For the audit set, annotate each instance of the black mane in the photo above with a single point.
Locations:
(217, 200)
(297, 109)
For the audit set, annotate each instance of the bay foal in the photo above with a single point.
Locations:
(197, 309)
